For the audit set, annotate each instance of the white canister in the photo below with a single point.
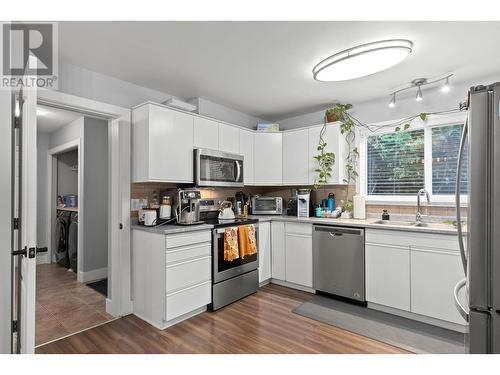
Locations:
(165, 211)
(149, 218)
(359, 209)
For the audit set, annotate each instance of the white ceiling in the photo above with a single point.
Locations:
(49, 119)
(264, 68)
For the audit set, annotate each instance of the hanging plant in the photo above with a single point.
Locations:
(348, 123)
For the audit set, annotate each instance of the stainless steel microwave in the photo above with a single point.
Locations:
(216, 168)
(267, 205)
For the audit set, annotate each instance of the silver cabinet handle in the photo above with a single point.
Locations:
(335, 234)
(464, 312)
(238, 170)
(463, 256)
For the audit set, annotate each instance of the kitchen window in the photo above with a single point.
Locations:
(395, 165)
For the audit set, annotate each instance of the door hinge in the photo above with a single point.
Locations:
(15, 223)
(14, 326)
(121, 226)
(17, 122)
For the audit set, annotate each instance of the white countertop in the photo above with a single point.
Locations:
(170, 229)
(363, 223)
(360, 223)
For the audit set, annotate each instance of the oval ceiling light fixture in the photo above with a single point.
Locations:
(362, 60)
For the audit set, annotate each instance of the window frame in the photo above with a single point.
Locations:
(433, 121)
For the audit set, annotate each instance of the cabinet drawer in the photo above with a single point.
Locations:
(188, 273)
(403, 238)
(180, 254)
(296, 228)
(187, 300)
(186, 239)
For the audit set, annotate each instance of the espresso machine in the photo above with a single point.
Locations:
(188, 207)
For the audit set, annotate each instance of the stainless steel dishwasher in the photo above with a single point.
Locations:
(339, 261)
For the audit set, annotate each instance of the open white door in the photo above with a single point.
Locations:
(119, 302)
(24, 218)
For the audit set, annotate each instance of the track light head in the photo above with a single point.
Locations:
(446, 87)
(419, 96)
(392, 103)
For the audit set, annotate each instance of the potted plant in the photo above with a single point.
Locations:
(331, 115)
(347, 207)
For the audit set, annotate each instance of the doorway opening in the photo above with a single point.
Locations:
(72, 222)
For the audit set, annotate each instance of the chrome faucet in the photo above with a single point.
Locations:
(419, 215)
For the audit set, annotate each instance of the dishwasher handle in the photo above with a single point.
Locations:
(338, 231)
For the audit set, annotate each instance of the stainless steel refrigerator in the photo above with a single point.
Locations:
(480, 243)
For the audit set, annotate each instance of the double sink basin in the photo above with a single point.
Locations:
(398, 223)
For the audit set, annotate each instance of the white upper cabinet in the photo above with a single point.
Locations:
(206, 133)
(246, 149)
(162, 145)
(229, 139)
(296, 157)
(268, 158)
(335, 143)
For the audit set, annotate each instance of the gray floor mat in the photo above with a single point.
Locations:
(394, 330)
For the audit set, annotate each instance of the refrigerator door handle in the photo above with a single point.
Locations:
(463, 256)
(464, 312)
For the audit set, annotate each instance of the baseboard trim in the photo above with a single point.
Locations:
(421, 318)
(94, 275)
(293, 286)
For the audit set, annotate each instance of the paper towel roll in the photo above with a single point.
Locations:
(359, 207)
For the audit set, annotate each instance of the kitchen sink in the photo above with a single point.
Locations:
(414, 224)
(394, 222)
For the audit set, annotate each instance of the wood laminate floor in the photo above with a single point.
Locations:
(63, 305)
(260, 323)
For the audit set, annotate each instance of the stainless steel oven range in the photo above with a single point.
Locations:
(231, 279)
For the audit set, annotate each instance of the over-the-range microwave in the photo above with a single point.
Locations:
(216, 168)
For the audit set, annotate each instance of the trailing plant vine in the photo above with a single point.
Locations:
(325, 159)
(348, 123)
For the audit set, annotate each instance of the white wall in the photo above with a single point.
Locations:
(95, 191)
(223, 113)
(68, 133)
(67, 177)
(82, 82)
(42, 203)
(378, 109)
(5, 220)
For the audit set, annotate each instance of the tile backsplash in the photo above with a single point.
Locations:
(145, 191)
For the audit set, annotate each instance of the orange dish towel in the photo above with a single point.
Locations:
(231, 250)
(247, 240)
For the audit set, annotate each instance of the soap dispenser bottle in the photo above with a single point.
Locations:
(385, 215)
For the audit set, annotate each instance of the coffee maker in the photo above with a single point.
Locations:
(188, 207)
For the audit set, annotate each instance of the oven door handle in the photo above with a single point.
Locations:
(219, 231)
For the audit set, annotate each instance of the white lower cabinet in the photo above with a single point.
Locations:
(278, 263)
(298, 254)
(414, 272)
(388, 275)
(264, 251)
(171, 275)
(434, 274)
